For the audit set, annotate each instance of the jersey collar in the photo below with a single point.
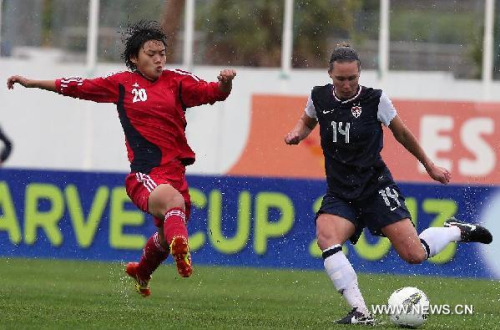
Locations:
(349, 100)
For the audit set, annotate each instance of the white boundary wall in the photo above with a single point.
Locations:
(50, 131)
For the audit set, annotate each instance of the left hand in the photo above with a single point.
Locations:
(226, 75)
(439, 174)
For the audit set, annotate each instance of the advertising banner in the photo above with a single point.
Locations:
(236, 220)
(460, 136)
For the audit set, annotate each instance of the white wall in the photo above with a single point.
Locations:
(55, 132)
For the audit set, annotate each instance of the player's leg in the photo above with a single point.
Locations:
(389, 212)
(139, 186)
(390, 216)
(405, 241)
(332, 231)
(470, 232)
(415, 249)
(154, 253)
(386, 213)
(454, 230)
(168, 203)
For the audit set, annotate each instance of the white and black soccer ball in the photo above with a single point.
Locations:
(408, 307)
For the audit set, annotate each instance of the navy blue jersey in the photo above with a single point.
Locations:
(352, 138)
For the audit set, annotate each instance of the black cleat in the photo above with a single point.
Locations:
(470, 232)
(355, 317)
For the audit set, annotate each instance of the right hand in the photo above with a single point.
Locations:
(292, 138)
(17, 79)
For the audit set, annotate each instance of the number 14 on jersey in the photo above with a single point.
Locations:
(341, 128)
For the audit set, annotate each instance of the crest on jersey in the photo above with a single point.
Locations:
(356, 110)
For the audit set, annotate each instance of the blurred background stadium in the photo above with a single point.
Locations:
(445, 35)
(61, 192)
(437, 60)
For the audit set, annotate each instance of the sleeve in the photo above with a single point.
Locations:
(194, 91)
(310, 109)
(101, 90)
(386, 111)
(7, 148)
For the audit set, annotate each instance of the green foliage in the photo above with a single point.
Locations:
(250, 33)
(241, 33)
(316, 22)
(121, 12)
(433, 26)
(56, 294)
(46, 21)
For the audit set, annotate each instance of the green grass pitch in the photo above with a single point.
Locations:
(57, 294)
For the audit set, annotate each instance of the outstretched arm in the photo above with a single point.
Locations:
(404, 136)
(100, 89)
(49, 85)
(194, 91)
(301, 130)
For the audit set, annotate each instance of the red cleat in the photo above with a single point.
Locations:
(179, 249)
(141, 286)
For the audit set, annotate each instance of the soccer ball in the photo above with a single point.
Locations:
(408, 307)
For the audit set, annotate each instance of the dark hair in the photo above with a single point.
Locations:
(344, 53)
(136, 35)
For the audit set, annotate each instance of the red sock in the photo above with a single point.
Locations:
(153, 255)
(174, 224)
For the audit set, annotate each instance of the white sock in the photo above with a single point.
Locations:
(344, 278)
(437, 238)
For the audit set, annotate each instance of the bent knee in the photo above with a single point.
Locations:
(324, 240)
(414, 257)
(159, 204)
(177, 200)
(332, 230)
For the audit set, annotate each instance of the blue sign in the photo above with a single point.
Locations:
(241, 221)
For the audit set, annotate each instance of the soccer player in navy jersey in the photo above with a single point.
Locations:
(7, 147)
(361, 191)
(151, 103)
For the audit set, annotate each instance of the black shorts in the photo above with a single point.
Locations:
(384, 207)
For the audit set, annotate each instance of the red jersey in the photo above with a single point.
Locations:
(152, 114)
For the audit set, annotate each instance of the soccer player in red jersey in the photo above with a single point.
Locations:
(151, 103)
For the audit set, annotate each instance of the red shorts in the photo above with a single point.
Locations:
(139, 186)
